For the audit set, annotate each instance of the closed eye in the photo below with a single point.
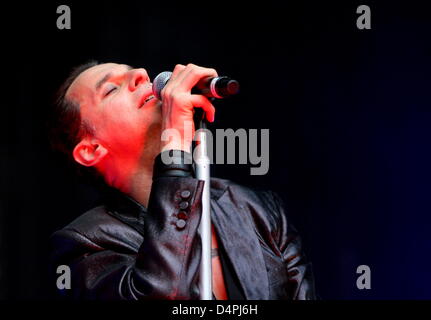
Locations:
(110, 90)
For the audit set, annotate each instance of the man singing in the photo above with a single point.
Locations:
(143, 243)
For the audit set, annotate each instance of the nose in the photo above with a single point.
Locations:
(138, 77)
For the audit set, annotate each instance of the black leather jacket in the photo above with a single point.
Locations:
(123, 251)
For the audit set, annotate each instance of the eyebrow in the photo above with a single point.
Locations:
(102, 81)
(105, 78)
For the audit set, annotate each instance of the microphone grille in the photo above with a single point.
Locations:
(160, 82)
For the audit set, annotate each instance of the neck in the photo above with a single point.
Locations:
(140, 186)
(133, 180)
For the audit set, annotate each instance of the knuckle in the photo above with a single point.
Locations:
(194, 72)
(179, 67)
(166, 92)
(207, 71)
(171, 94)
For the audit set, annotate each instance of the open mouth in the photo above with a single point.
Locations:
(150, 97)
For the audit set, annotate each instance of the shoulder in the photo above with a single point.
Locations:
(245, 194)
(264, 206)
(96, 230)
(220, 186)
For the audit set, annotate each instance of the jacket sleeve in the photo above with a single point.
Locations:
(299, 270)
(161, 269)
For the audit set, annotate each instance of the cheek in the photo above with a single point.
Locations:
(129, 126)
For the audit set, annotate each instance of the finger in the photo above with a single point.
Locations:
(200, 101)
(191, 75)
(178, 68)
(171, 82)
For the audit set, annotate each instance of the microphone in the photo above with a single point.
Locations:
(218, 87)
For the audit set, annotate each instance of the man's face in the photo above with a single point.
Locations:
(117, 102)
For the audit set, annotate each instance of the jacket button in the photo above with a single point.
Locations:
(181, 224)
(185, 194)
(184, 205)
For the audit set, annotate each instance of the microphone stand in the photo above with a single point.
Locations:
(202, 169)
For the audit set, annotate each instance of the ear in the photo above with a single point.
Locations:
(89, 152)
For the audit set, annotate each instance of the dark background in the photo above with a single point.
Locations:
(348, 112)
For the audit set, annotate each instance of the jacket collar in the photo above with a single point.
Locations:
(238, 236)
(119, 203)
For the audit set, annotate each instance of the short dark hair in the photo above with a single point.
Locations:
(66, 125)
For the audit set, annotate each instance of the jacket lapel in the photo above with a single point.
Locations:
(238, 237)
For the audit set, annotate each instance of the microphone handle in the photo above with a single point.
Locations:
(219, 87)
